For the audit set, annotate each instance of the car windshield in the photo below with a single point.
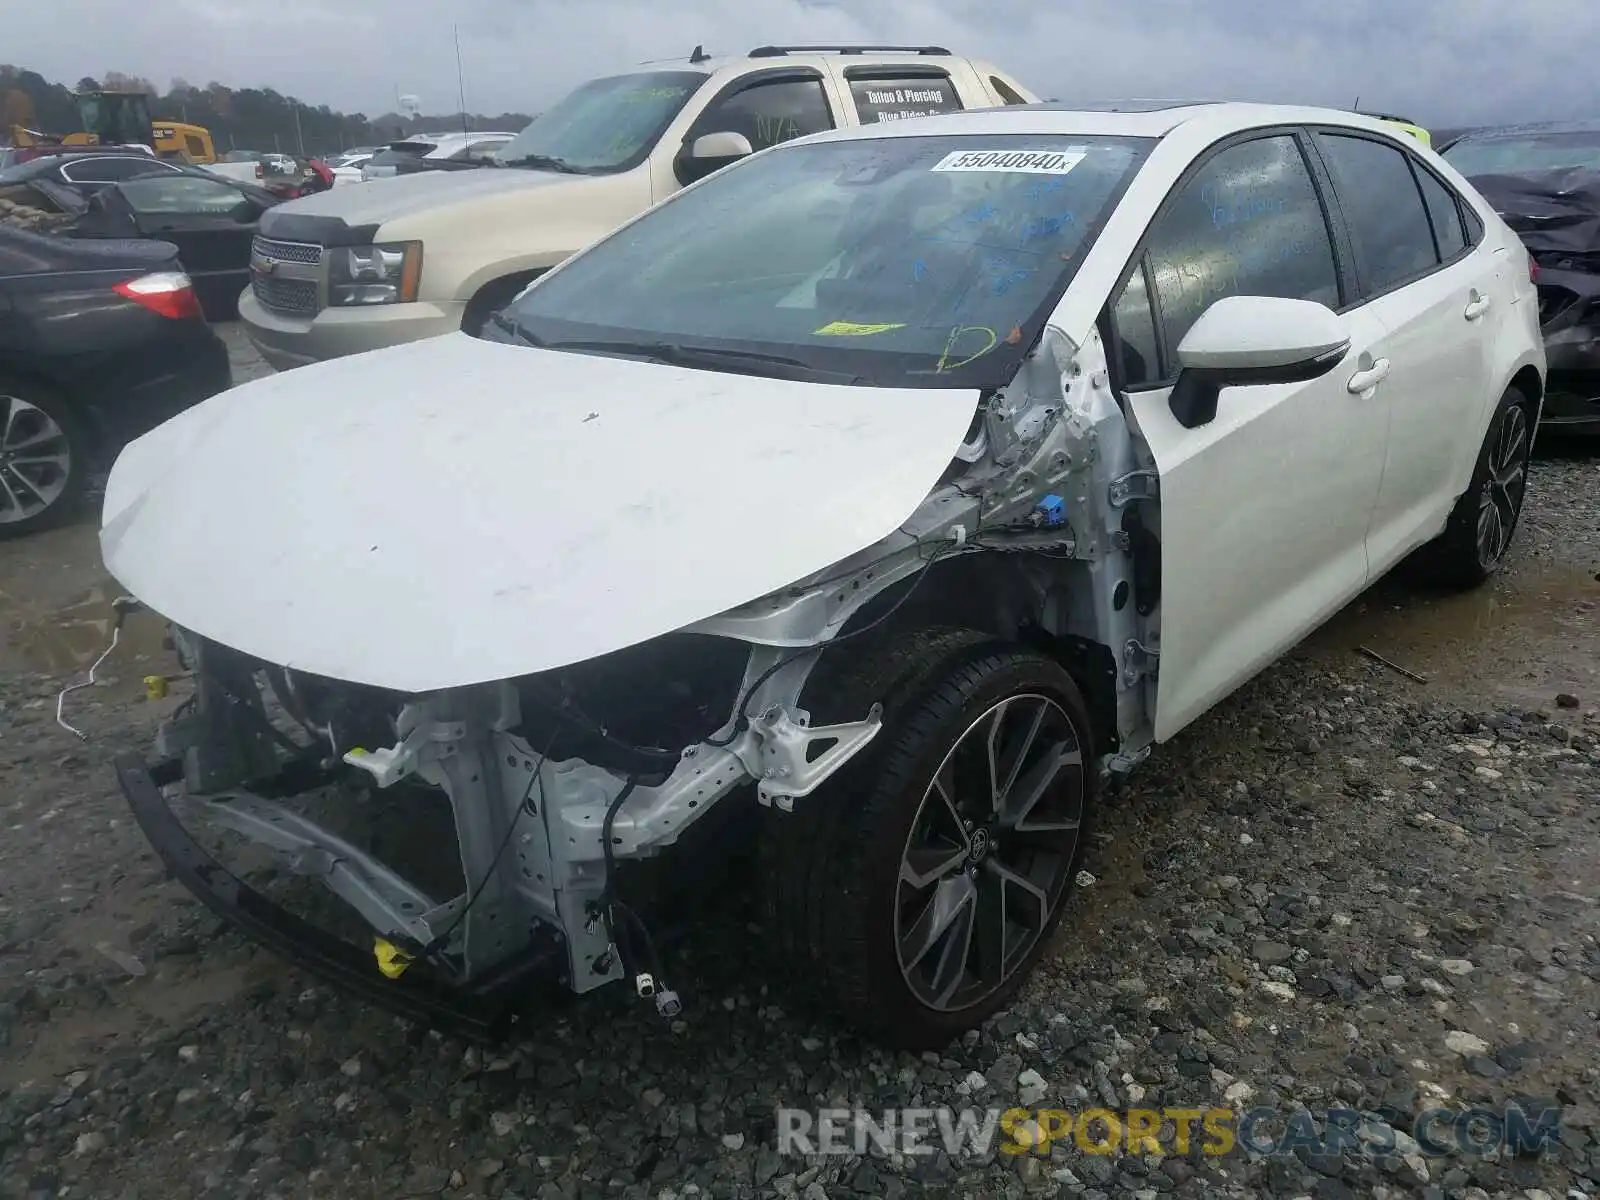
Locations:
(897, 262)
(1526, 154)
(605, 125)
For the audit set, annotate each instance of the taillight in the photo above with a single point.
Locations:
(1533, 269)
(166, 292)
(261, 171)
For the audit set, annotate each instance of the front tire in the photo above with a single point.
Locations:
(1478, 535)
(44, 459)
(914, 894)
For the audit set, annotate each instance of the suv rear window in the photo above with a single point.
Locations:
(402, 152)
(888, 96)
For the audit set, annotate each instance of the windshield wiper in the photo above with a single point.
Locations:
(544, 162)
(677, 355)
(505, 321)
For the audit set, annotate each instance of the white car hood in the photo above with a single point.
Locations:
(455, 511)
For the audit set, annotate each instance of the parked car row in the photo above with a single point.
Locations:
(1038, 430)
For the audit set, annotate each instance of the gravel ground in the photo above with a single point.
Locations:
(1341, 888)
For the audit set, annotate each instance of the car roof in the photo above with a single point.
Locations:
(1149, 119)
(810, 56)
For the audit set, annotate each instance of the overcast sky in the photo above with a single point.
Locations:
(1443, 62)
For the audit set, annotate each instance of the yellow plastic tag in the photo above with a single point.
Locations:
(853, 329)
(155, 687)
(392, 960)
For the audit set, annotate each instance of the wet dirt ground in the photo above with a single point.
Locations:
(1353, 883)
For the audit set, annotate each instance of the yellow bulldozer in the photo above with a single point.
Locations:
(113, 118)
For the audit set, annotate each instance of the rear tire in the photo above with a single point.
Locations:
(874, 885)
(1478, 535)
(44, 459)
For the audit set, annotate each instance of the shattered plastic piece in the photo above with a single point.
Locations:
(392, 960)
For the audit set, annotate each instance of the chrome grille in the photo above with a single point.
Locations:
(285, 295)
(295, 252)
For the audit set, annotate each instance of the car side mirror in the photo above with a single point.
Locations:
(710, 152)
(1242, 341)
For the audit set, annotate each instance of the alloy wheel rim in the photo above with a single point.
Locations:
(988, 857)
(35, 460)
(1500, 502)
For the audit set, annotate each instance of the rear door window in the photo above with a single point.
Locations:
(1383, 208)
(889, 95)
(1005, 91)
(1444, 210)
(403, 152)
(109, 170)
(479, 151)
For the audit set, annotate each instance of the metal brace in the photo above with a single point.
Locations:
(1135, 485)
(426, 740)
(1138, 661)
(781, 766)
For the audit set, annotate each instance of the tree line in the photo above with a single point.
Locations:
(238, 118)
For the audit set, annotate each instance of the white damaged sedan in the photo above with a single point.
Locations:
(863, 505)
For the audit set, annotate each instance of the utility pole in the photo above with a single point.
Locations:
(299, 135)
(461, 81)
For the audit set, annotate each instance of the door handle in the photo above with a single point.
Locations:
(1477, 306)
(1364, 380)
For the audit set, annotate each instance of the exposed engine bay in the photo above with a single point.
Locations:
(1044, 528)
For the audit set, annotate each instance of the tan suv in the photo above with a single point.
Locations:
(359, 268)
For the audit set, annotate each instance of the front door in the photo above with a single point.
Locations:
(767, 107)
(1264, 510)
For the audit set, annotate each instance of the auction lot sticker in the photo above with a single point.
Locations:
(1028, 162)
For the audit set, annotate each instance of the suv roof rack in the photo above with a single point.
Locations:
(780, 51)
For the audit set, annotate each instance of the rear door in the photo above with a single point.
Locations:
(211, 223)
(1418, 273)
(1263, 511)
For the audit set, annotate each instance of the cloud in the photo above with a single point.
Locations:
(1440, 61)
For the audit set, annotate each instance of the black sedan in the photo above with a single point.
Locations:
(1544, 180)
(211, 221)
(92, 170)
(100, 341)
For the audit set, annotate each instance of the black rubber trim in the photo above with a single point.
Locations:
(483, 1012)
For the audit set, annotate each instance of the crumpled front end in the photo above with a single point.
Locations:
(551, 780)
(1557, 217)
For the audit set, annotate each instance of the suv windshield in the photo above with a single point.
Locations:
(1526, 154)
(604, 126)
(898, 262)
